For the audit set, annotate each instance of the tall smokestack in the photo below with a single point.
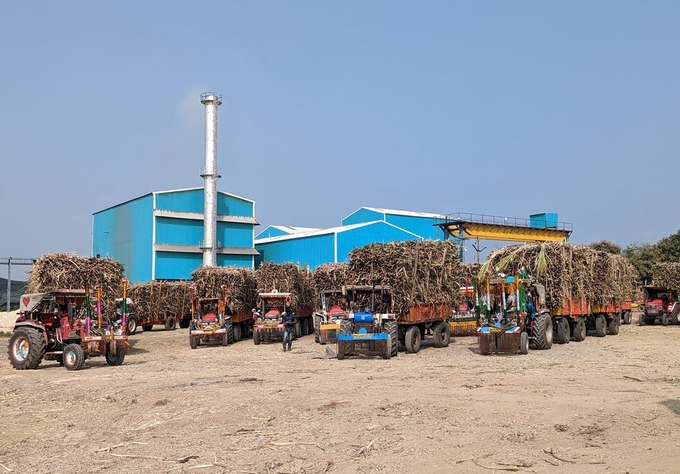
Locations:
(210, 176)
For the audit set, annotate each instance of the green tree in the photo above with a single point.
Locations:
(643, 257)
(669, 248)
(606, 246)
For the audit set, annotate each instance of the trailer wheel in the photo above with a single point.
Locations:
(578, 330)
(170, 324)
(185, 322)
(256, 336)
(131, 325)
(413, 339)
(563, 332)
(193, 342)
(613, 325)
(26, 348)
(237, 332)
(442, 335)
(74, 357)
(543, 331)
(626, 316)
(600, 325)
(317, 328)
(664, 319)
(119, 356)
(392, 330)
(524, 343)
(147, 327)
(298, 329)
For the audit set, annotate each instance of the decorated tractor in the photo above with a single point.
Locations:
(328, 318)
(267, 318)
(59, 325)
(209, 323)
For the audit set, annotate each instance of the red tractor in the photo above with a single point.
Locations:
(267, 319)
(660, 304)
(209, 323)
(58, 325)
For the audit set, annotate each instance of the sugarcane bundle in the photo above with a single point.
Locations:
(667, 275)
(239, 283)
(288, 278)
(418, 272)
(70, 271)
(568, 272)
(331, 276)
(159, 299)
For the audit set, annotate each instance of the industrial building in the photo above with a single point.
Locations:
(313, 247)
(160, 235)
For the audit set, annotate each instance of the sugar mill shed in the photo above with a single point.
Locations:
(158, 236)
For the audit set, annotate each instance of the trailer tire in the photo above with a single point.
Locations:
(26, 348)
(170, 324)
(413, 339)
(563, 332)
(664, 319)
(317, 328)
(131, 325)
(600, 325)
(193, 343)
(147, 327)
(298, 329)
(185, 322)
(237, 332)
(523, 343)
(626, 317)
(392, 330)
(442, 334)
(613, 325)
(118, 357)
(74, 357)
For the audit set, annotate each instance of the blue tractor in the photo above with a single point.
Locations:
(371, 332)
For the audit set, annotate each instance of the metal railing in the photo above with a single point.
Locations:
(499, 220)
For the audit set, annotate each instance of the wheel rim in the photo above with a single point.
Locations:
(21, 348)
(70, 358)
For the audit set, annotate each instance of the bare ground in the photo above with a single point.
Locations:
(603, 405)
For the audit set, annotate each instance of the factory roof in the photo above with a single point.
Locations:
(331, 230)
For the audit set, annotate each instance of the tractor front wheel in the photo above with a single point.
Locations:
(256, 336)
(524, 343)
(26, 348)
(131, 325)
(118, 357)
(147, 327)
(413, 339)
(664, 319)
(317, 328)
(193, 342)
(74, 357)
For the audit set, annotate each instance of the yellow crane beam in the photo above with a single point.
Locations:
(510, 233)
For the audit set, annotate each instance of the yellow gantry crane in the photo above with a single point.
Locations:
(538, 228)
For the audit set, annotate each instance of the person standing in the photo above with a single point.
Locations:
(289, 322)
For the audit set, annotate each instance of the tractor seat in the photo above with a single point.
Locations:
(336, 311)
(209, 318)
(273, 313)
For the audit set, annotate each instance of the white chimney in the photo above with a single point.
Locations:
(210, 177)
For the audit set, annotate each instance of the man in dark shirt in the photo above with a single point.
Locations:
(289, 321)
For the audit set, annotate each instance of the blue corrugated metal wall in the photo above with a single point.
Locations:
(362, 215)
(232, 206)
(361, 236)
(176, 265)
(312, 251)
(124, 233)
(178, 231)
(182, 201)
(422, 226)
(233, 234)
(270, 232)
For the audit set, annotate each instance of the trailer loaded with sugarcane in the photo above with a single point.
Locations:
(585, 288)
(424, 279)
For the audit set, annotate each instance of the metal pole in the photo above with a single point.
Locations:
(9, 280)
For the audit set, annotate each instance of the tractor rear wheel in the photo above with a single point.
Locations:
(131, 325)
(392, 330)
(613, 325)
(346, 326)
(147, 327)
(229, 335)
(563, 333)
(170, 324)
(442, 334)
(74, 357)
(317, 328)
(674, 314)
(26, 348)
(524, 343)
(543, 331)
(600, 325)
(119, 356)
(413, 339)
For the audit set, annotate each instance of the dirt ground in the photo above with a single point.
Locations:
(605, 405)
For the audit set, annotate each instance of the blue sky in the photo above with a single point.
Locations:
(494, 107)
